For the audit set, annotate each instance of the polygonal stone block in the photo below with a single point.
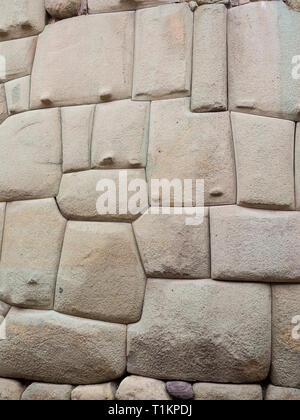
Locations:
(139, 388)
(84, 60)
(202, 330)
(224, 392)
(265, 161)
(10, 390)
(163, 52)
(17, 95)
(276, 393)
(47, 392)
(255, 245)
(50, 347)
(31, 248)
(106, 6)
(30, 155)
(100, 392)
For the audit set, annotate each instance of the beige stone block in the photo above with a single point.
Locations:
(30, 155)
(202, 330)
(77, 126)
(106, 6)
(62, 9)
(276, 393)
(139, 388)
(19, 55)
(184, 145)
(265, 161)
(100, 274)
(47, 392)
(120, 135)
(50, 347)
(171, 248)
(102, 392)
(72, 67)
(31, 249)
(263, 42)
(163, 52)
(3, 105)
(255, 245)
(17, 95)
(80, 193)
(21, 18)
(222, 392)
(209, 87)
(10, 390)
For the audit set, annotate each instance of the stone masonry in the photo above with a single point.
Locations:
(144, 305)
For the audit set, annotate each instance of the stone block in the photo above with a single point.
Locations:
(276, 393)
(17, 95)
(139, 388)
(10, 390)
(222, 392)
(102, 392)
(107, 6)
(62, 9)
(38, 391)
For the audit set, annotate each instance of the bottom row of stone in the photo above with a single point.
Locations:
(140, 388)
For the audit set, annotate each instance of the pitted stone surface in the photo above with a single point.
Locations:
(100, 274)
(21, 18)
(209, 87)
(31, 249)
(17, 95)
(255, 245)
(79, 194)
(62, 9)
(171, 248)
(47, 392)
(19, 55)
(100, 70)
(10, 390)
(186, 145)
(120, 135)
(265, 161)
(3, 105)
(163, 51)
(262, 43)
(221, 392)
(102, 392)
(202, 330)
(77, 126)
(49, 347)
(285, 370)
(30, 155)
(276, 393)
(139, 388)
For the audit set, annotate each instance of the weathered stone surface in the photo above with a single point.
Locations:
(72, 67)
(4, 308)
(186, 145)
(265, 161)
(78, 195)
(163, 52)
(275, 393)
(21, 18)
(262, 43)
(19, 55)
(105, 6)
(100, 274)
(220, 392)
(172, 249)
(255, 245)
(285, 370)
(30, 155)
(10, 390)
(120, 135)
(49, 347)
(297, 167)
(3, 105)
(202, 331)
(180, 390)
(209, 87)
(294, 4)
(95, 392)
(139, 388)
(62, 9)
(47, 392)
(2, 216)
(31, 248)
(17, 95)
(77, 125)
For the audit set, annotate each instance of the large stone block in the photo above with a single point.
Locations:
(285, 370)
(49, 347)
(79, 194)
(186, 145)
(21, 18)
(171, 248)
(47, 392)
(30, 155)
(73, 67)
(202, 330)
(107, 6)
(10, 390)
(3, 104)
(31, 248)
(19, 55)
(102, 392)
(100, 274)
(139, 388)
(77, 126)
(120, 135)
(276, 393)
(163, 52)
(17, 95)
(209, 87)
(221, 392)
(263, 42)
(265, 161)
(255, 245)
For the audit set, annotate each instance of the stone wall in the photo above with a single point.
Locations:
(145, 306)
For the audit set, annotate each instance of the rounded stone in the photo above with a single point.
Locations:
(180, 390)
(62, 9)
